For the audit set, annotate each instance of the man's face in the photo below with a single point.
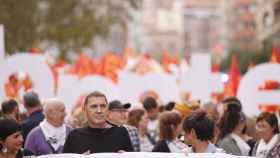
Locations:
(153, 113)
(188, 137)
(118, 116)
(96, 110)
(55, 115)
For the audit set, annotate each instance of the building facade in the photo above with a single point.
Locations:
(268, 19)
(203, 25)
(190, 26)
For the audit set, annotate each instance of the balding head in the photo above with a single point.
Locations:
(54, 111)
(52, 104)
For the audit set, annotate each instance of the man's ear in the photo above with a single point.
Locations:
(84, 108)
(193, 133)
(107, 113)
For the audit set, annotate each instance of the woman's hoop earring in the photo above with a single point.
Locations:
(3, 148)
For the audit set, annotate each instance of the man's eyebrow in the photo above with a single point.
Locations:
(97, 104)
(93, 104)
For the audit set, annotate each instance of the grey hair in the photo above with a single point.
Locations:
(47, 104)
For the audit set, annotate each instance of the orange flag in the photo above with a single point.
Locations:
(167, 60)
(12, 86)
(110, 63)
(275, 55)
(59, 63)
(35, 50)
(82, 67)
(55, 75)
(215, 67)
(234, 78)
(143, 66)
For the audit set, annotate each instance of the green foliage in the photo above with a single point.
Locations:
(255, 56)
(246, 57)
(72, 25)
(19, 19)
(69, 25)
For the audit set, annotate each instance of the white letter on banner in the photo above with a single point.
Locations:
(35, 66)
(70, 88)
(248, 91)
(199, 80)
(133, 85)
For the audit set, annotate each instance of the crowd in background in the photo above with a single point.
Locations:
(101, 126)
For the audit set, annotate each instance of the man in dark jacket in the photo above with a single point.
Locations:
(100, 135)
(34, 109)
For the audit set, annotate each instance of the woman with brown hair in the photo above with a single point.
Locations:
(139, 119)
(268, 131)
(169, 130)
(11, 140)
(232, 126)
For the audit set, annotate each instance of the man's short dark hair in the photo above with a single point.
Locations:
(8, 106)
(149, 103)
(201, 124)
(31, 99)
(170, 106)
(95, 94)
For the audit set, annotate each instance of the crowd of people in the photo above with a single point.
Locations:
(102, 126)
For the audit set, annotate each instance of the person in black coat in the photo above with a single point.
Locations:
(100, 135)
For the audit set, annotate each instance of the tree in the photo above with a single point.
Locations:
(70, 25)
(19, 19)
